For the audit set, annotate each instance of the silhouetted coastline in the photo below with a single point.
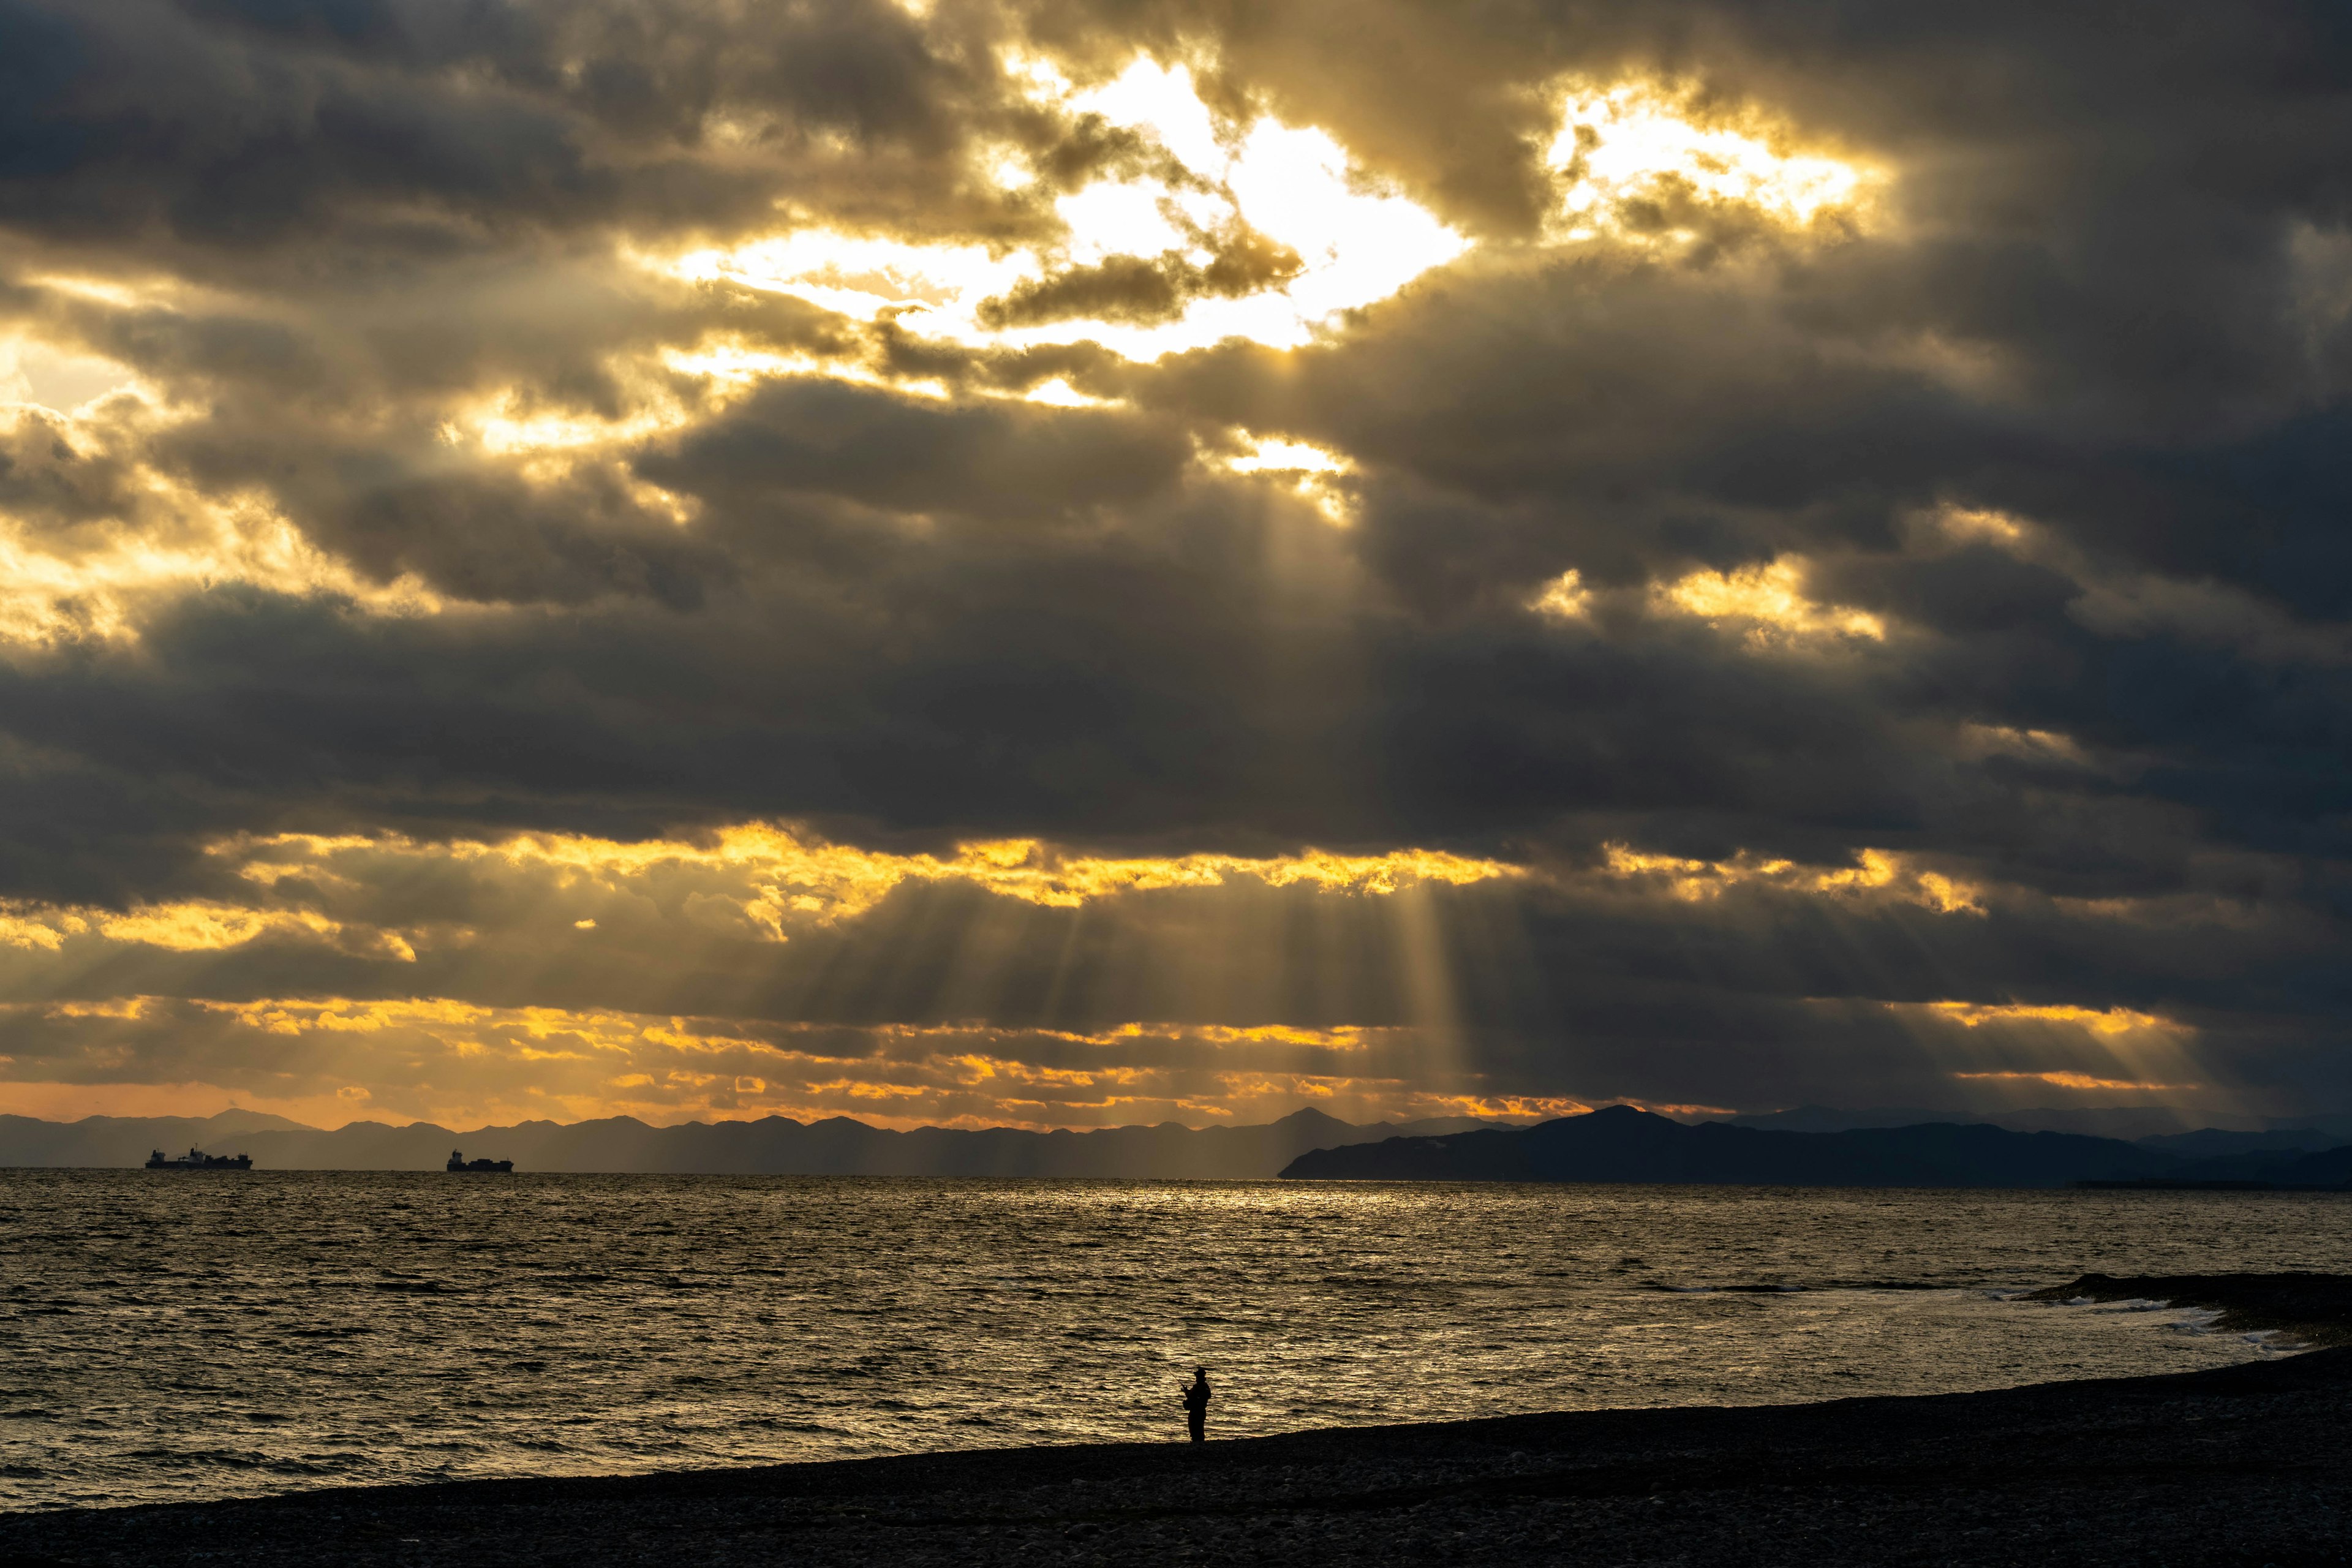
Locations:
(2228, 1466)
(1622, 1143)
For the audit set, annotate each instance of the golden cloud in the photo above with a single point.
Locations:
(1640, 161)
(194, 925)
(1877, 872)
(1770, 601)
(2107, 1049)
(2098, 1021)
(1565, 597)
(449, 1059)
(2081, 1080)
(782, 875)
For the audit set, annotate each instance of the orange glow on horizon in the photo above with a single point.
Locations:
(499, 1065)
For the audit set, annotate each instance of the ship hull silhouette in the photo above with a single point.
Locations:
(458, 1164)
(197, 1159)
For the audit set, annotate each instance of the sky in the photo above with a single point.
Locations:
(1109, 560)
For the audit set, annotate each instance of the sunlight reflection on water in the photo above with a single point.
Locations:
(203, 1336)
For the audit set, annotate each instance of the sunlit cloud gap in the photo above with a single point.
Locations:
(1770, 602)
(42, 376)
(1317, 476)
(1634, 163)
(1349, 242)
(1261, 231)
(1355, 243)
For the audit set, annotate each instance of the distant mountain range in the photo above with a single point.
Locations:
(2155, 1125)
(775, 1145)
(1624, 1144)
(1616, 1145)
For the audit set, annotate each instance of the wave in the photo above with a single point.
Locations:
(1724, 1290)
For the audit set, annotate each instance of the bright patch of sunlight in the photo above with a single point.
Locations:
(1565, 596)
(1060, 394)
(32, 372)
(1311, 472)
(1770, 600)
(1635, 144)
(1271, 452)
(1355, 243)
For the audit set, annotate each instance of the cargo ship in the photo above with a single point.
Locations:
(457, 1161)
(197, 1159)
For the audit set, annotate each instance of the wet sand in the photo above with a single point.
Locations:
(2241, 1465)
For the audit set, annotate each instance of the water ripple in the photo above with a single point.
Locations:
(183, 1336)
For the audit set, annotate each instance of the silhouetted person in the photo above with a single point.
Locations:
(1196, 1405)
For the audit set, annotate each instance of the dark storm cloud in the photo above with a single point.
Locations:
(830, 438)
(260, 126)
(2107, 303)
(973, 678)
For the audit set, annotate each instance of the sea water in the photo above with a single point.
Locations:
(179, 1335)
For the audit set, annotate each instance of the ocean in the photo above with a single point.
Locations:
(169, 1336)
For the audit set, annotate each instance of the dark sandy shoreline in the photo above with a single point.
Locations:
(2240, 1464)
